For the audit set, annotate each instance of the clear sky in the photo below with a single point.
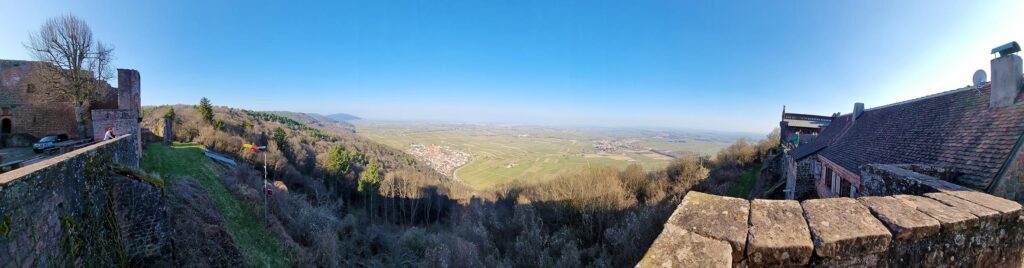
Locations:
(710, 65)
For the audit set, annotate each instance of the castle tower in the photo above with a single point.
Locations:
(128, 91)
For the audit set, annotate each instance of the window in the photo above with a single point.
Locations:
(836, 183)
(30, 88)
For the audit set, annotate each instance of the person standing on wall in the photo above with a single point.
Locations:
(109, 134)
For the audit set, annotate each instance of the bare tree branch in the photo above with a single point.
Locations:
(74, 65)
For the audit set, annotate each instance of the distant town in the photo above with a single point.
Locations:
(443, 159)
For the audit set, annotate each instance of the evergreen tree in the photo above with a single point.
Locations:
(205, 109)
(369, 182)
(281, 139)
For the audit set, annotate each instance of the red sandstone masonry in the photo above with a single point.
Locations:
(937, 229)
(38, 197)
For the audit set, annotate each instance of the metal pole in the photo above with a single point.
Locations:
(266, 205)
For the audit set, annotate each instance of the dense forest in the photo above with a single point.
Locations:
(353, 202)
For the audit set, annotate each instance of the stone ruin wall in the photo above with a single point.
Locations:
(32, 112)
(122, 122)
(41, 205)
(36, 113)
(126, 118)
(940, 224)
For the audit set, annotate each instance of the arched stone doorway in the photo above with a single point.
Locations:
(5, 126)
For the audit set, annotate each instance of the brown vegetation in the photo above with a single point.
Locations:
(729, 164)
(198, 229)
(408, 215)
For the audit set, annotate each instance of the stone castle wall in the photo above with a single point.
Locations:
(33, 109)
(24, 102)
(73, 209)
(121, 121)
(143, 221)
(941, 225)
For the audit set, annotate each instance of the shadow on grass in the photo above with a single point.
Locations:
(182, 159)
(746, 184)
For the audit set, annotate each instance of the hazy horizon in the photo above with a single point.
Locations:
(704, 66)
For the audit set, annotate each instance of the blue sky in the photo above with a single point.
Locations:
(713, 65)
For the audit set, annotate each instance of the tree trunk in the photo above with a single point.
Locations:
(80, 120)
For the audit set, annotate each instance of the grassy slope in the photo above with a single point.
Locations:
(255, 241)
(746, 183)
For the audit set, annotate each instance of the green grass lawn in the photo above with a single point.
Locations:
(746, 184)
(246, 227)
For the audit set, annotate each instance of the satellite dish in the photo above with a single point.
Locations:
(980, 77)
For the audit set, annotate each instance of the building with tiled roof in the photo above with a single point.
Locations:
(973, 134)
(798, 129)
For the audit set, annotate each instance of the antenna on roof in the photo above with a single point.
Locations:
(980, 77)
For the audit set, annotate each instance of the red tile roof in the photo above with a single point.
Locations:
(954, 128)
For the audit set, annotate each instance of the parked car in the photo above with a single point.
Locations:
(48, 142)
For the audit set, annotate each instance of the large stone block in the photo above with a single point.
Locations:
(716, 217)
(956, 202)
(778, 234)
(951, 219)
(987, 200)
(843, 228)
(904, 221)
(676, 247)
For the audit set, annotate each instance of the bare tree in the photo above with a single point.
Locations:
(74, 65)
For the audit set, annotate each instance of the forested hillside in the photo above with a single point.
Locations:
(352, 202)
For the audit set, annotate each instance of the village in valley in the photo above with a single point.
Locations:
(444, 159)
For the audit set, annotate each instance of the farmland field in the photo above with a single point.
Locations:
(500, 154)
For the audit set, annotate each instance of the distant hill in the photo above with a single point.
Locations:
(317, 120)
(343, 117)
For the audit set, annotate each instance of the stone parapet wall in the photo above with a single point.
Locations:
(73, 210)
(905, 179)
(121, 121)
(955, 228)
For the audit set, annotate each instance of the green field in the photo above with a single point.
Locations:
(537, 153)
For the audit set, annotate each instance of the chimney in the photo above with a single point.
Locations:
(1006, 76)
(858, 108)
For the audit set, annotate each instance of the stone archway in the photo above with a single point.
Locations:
(5, 126)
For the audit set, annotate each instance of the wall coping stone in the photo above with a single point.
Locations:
(940, 224)
(715, 217)
(676, 247)
(21, 172)
(778, 234)
(986, 200)
(950, 218)
(842, 226)
(905, 222)
(953, 201)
